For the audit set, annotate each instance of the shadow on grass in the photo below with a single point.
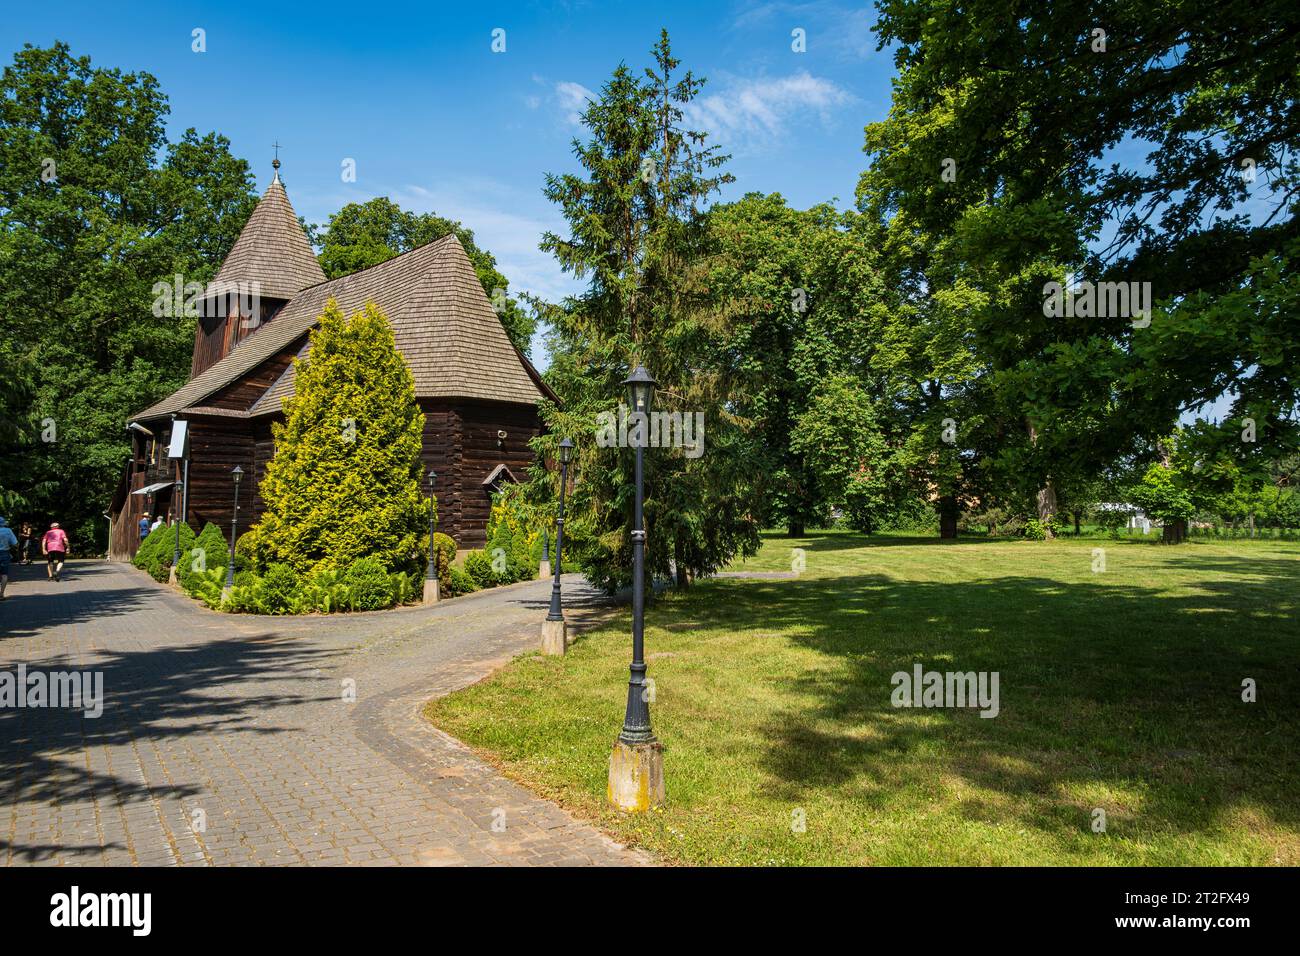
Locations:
(1104, 688)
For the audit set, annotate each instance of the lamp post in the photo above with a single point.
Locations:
(636, 770)
(237, 474)
(554, 636)
(176, 546)
(431, 573)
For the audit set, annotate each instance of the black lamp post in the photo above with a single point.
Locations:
(566, 455)
(431, 574)
(237, 474)
(636, 723)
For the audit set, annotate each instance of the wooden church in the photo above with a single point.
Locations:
(478, 392)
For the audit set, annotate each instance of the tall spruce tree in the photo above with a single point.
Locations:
(345, 482)
(638, 234)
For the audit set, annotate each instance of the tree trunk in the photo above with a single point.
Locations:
(948, 516)
(1252, 524)
(1047, 506)
(1046, 494)
(1077, 532)
(795, 530)
(1175, 532)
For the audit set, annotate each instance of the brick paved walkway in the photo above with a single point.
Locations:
(227, 739)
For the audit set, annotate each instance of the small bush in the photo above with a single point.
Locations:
(461, 583)
(479, 568)
(1036, 530)
(323, 591)
(245, 598)
(368, 584)
(155, 554)
(248, 552)
(204, 585)
(279, 589)
(445, 554)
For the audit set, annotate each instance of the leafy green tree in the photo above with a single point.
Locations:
(791, 290)
(345, 480)
(1032, 110)
(840, 440)
(97, 205)
(365, 234)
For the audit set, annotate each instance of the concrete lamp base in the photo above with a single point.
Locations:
(543, 570)
(636, 776)
(554, 636)
(431, 594)
(171, 576)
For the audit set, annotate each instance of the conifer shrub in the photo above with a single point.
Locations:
(279, 589)
(154, 556)
(479, 569)
(460, 582)
(346, 480)
(248, 556)
(368, 583)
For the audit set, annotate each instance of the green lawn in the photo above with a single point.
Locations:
(1119, 690)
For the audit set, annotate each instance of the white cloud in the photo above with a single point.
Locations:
(572, 98)
(744, 111)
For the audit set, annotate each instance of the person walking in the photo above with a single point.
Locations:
(157, 522)
(8, 543)
(144, 526)
(27, 535)
(55, 548)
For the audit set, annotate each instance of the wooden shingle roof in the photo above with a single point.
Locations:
(271, 251)
(442, 321)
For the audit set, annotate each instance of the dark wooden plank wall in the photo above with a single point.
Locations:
(217, 445)
(460, 443)
(481, 452)
(441, 452)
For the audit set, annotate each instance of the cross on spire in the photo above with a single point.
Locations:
(275, 163)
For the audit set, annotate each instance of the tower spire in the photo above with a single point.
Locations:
(275, 163)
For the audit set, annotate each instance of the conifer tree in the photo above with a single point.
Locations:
(345, 480)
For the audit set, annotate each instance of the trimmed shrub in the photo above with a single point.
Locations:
(445, 554)
(279, 589)
(248, 552)
(461, 583)
(368, 585)
(479, 569)
(346, 482)
(155, 554)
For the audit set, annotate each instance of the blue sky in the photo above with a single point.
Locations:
(437, 121)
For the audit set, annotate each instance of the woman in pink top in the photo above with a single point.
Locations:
(55, 548)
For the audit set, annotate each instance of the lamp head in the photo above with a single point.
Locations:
(640, 389)
(565, 450)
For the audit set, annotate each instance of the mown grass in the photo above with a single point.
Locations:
(1120, 690)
